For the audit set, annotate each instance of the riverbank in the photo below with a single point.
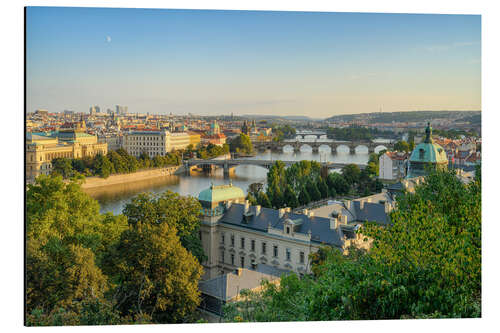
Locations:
(96, 182)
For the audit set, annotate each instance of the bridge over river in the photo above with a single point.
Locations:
(229, 164)
(331, 145)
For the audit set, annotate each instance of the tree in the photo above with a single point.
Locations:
(425, 264)
(241, 144)
(290, 198)
(337, 183)
(62, 166)
(102, 166)
(322, 187)
(351, 173)
(402, 146)
(304, 197)
(312, 190)
(156, 275)
(172, 209)
(263, 200)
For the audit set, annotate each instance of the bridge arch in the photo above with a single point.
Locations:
(305, 148)
(379, 148)
(324, 148)
(288, 148)
(343, 148)
(361, 149)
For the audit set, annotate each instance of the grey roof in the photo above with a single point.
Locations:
(228, 286)
(371, 212)
(319, 226)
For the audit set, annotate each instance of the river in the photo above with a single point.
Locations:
(114, 198)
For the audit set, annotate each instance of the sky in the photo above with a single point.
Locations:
(250, 62)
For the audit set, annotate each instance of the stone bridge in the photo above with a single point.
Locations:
(333, 146)
(229, 164)
(301, 134)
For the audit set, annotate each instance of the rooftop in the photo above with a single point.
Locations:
(217, 193)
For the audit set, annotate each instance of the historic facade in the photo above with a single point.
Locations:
(70, 141)
(237, 235)
(156, 143)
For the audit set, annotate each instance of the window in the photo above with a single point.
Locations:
(232, 259)
(263, 248)
(252, 245)
(422, 153)
(288, 255)
(287, 230)
(242, 242)
(222, 255)
(232, 240)
(275, 250)
(301, 257)
(242, 262)
(222, 239)
(199, 234)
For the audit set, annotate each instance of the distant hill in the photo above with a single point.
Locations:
(293, 118)
(409, 116)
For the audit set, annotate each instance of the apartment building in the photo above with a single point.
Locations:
(156, 143)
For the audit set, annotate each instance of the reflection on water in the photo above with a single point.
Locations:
(113, 198)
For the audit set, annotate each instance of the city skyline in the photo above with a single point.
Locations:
(249, 62)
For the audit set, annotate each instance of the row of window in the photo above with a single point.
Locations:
(263, 248)
(145, 138)
(242, 258)
(155, 144)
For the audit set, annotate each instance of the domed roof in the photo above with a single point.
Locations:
(221, 193)
(428, 151)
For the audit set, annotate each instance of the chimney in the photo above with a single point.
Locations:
(368, 199)
(247, 206)
(344, 219)
(239, 271)
(387, 207)
(257, 210)
(334, 223)
(281, 212)
(305, 211)
(288, 209)
(311, 214)
(228, 204)
(361, 205)
(348, 204)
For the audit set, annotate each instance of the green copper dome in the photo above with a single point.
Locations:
(221, 193)
(428, 151)
(427, 156)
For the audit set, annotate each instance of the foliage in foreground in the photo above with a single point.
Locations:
(87, 268)
(427, 264)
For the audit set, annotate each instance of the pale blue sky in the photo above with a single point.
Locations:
(247, 62)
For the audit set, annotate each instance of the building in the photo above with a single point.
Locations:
(157, 143)
(392, 165)
(427, 156)
(70, 141)
(121, 110)
(114, 142)
(373, 208)
(226, 288)
(237, 235)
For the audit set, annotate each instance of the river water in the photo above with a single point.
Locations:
(114, 198)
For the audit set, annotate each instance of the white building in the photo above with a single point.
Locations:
(154, 142)
(392, 165)
(237, 235)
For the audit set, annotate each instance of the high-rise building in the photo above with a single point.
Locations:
(121, 110)
(94, 110)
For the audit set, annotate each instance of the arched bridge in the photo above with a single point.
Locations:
(315, 145)
(230, 164)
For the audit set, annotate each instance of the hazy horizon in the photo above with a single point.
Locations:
(251, 62)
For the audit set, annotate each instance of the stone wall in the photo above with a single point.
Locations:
(93, 182)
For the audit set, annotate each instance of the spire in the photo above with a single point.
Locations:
(428, 133)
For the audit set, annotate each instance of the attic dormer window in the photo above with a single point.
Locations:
(421, 153)
(288, 230)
